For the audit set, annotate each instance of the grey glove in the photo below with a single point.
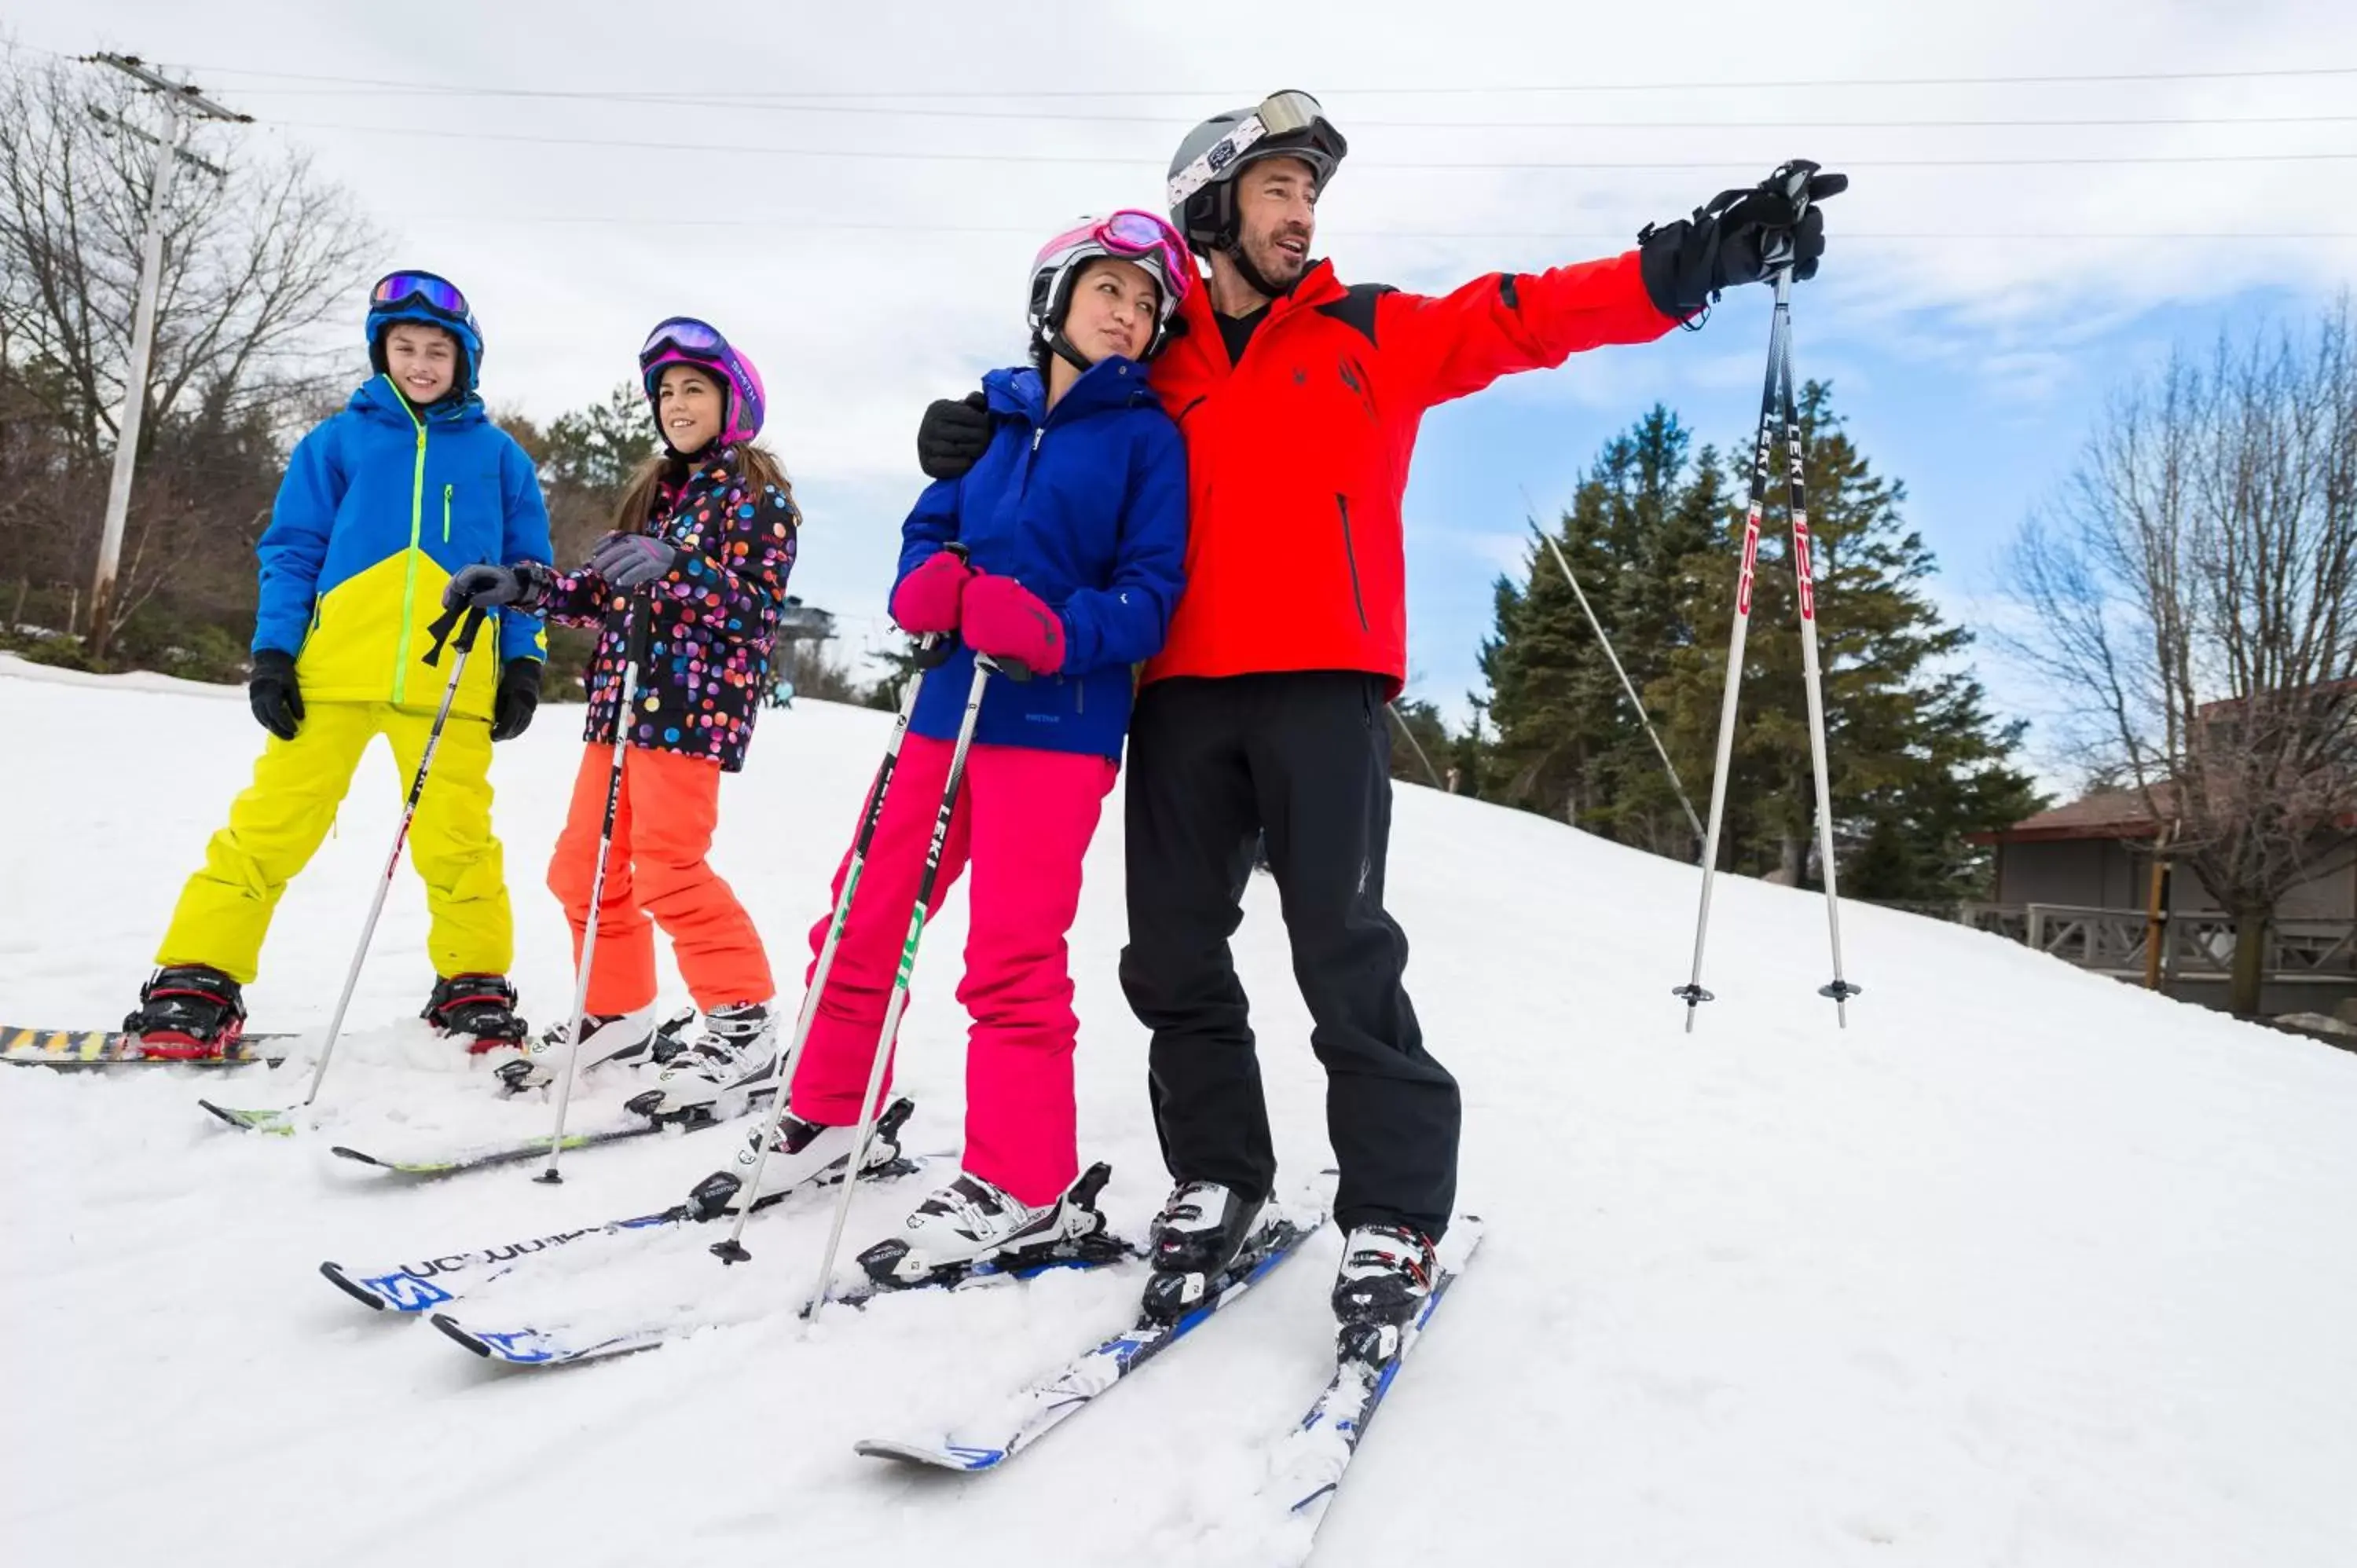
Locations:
(523, 586)
(629, 561)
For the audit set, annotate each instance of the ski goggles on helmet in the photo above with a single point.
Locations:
(438, 296)
(684, 340)
(1132, 235)
(686, 335)
(1280, 114)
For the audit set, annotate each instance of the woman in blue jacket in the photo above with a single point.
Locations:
(1074, 526)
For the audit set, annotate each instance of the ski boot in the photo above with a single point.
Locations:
(629, 1039)
(1385, 1279)
(1200, 1230)
(481, 1007)
(734, 1058)
(802, 1152)
(971, 1222)
(188, 1013)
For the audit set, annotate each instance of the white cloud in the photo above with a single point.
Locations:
(867, 285)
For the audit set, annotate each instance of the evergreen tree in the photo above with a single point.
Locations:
(1916, 761)
(1414, 725)
(1567, 741)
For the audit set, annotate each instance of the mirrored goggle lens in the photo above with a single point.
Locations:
(1281, 114)
(1138, 231)
(687, 335)
(439, 294)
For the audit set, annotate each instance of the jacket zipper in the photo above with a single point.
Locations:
(446, 512)
(409, 561)
(1350, 556)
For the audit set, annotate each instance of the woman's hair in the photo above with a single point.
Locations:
(756, 466)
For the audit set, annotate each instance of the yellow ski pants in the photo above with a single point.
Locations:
(277, 825)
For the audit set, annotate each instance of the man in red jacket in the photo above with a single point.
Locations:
(1263, 717)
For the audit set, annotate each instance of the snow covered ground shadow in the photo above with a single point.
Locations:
(2025, 1268)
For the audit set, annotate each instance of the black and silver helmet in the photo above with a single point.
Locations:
(1202, 172)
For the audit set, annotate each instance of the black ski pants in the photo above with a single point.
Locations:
(1302, 758)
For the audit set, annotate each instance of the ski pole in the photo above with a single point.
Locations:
(1839, 989)
(1634, 701)
(1414, 745)
(984, 668)
(1770, 410)
(931, 650)
(472, 622)
(1776, 403)
(637, 615)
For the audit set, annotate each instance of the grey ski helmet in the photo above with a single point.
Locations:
(1202, 171)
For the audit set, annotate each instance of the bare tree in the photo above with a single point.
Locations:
(2196, 587)
(254, 266)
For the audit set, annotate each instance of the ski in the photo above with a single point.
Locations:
(430, 1282)
(1308, 1465)
(1039, 1407)
(411, 1287)
(451, 1159)
(498, 1152)
(279, 1122)
(591, 1339)
(1094, 1251)
(87, 1049)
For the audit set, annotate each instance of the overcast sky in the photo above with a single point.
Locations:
(854, 193)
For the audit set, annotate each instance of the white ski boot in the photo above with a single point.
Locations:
(802, 1152)
(972, 1221)
(733, 1060)
(629, 1039)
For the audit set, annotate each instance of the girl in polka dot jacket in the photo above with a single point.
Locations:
(705, 540)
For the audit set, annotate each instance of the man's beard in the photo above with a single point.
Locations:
(1274, 263)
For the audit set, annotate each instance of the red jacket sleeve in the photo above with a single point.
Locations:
(1441, 347)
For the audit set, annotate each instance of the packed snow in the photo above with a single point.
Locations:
(2025, 1267)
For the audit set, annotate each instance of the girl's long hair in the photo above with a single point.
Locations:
(756, 466)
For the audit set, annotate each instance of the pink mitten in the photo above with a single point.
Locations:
(1007, 620)
(927, 600)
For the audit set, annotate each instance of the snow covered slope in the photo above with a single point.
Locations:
(2025, 1268)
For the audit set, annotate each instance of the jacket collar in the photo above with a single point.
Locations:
(378, 398)
(1021, 393)
(1317, 286)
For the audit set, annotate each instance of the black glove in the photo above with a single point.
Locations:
(1739, 237)
(524, 584)
(952, 436)
(518, 698)
(273, 694)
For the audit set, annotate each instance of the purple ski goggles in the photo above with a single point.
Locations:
(684, 340)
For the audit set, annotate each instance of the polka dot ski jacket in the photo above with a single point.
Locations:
(715, 616)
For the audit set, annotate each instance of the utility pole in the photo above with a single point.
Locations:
(187, 106)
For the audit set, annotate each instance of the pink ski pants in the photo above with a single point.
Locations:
(1024, 820)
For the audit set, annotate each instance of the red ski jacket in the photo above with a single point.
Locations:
(1298, 452)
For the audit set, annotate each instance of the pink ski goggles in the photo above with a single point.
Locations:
(1146, 238)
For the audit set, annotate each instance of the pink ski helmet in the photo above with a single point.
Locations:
(684, 340)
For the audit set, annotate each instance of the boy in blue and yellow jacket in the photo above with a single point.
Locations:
(380, 504)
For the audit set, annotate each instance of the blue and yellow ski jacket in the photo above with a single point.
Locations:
(381, 503)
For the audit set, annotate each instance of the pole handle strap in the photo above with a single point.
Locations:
(466, 619)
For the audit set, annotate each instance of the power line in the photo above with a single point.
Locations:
(886, 154)
(729, 100)
(1412, 89)
(787, 221)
